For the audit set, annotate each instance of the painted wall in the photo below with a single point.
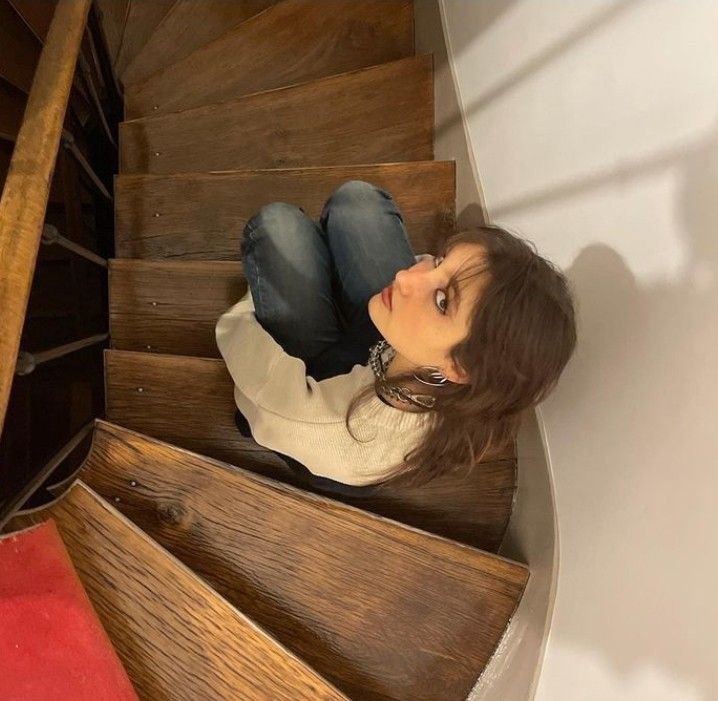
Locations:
(594, 127)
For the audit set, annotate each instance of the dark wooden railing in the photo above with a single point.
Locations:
(27, 187)
(59, 109)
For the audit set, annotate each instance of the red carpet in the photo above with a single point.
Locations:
(52, 645)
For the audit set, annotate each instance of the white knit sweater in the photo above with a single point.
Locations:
(294, 414)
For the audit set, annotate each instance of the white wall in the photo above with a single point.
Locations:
(594, 126)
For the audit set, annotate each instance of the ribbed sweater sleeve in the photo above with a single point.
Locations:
(299, 416)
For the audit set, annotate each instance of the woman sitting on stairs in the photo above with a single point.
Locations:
(360, 384)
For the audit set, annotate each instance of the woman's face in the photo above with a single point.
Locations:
(427, 318)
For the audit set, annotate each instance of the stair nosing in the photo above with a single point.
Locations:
(228, 173)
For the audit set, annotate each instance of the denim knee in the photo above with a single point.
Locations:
(274, 219)
(358, 189)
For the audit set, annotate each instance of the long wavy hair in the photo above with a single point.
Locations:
(522, 334)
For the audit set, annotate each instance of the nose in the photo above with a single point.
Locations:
(414, 278)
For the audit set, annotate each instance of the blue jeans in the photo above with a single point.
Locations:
(311, 283)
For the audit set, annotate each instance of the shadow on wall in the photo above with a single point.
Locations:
(486, 13)
(642, 378)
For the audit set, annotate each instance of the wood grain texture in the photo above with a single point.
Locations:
(373, 115)
(190, 402)
(177, 638)
(171, 307)
(142, 19)
(6, 150)
(188, 25)
(288, 560)
(20, 48)
(201, 216)
(149, 393)
(113, 16)
(26, 191)
(291, 42)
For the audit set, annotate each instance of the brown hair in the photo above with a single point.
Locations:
(522, 334)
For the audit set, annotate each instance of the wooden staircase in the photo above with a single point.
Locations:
(218, 572)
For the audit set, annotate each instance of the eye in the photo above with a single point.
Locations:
(443, 310)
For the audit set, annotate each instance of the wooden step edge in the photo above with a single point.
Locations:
(388, 525)
(122, 178)
(135, 84)
(167, 357)
(158, 28)
(122, 265)
(120, 558)
(246, 540)
(169, 74)
(123, 59)
(425, 59)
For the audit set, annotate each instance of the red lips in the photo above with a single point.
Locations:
(386, 295)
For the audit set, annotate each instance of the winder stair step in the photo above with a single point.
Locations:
(190, 402)
(381, 114)
(176, 636)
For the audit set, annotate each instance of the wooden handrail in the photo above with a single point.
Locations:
(27, 187)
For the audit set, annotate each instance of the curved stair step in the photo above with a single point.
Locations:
(291, 42)
(112, 15)
(188, 25)
(308, 569)
(381, 114)
(190, 402)
(178, 639)
(201, 216)
(142, 20)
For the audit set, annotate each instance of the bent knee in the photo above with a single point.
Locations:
(356, 189)
(278, 220)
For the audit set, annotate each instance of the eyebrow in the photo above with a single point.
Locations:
(456, 298)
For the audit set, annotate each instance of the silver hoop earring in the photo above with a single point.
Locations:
(435, 376)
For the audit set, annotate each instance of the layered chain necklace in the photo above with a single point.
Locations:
(380, 357)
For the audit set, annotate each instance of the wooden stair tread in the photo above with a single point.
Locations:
(113, 15)
(288, 560)
(171, 306)
(156, 400)
(188, 25)
(190, 402)
(291, 42)
(142, 20)
(379, 114)
(177, 638)
(201, 216)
